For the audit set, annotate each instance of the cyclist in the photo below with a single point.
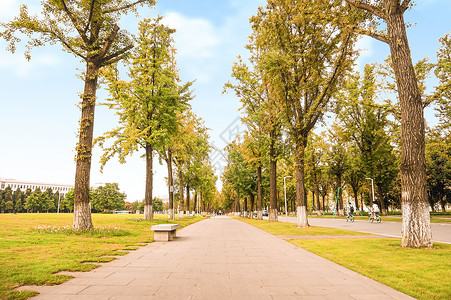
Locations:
(350, 212)
(350, 209)
(374, 210)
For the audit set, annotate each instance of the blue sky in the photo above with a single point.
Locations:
(38, 113)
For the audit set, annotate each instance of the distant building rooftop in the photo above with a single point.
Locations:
(24, 185)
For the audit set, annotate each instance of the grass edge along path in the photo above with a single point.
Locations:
(420, 273)
(35, 247)
(283, 228)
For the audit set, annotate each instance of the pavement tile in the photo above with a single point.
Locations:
(118, 290)
(71, 297)
(87, 274)
(138, 282)
(62, 289)
(124, 280)
(369, 296)
(220, 258)
(246, 291)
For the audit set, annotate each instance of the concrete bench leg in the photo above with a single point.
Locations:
(172, 234)
(161, 236)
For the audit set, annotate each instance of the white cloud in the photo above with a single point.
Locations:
(10, 8)
(196, 38)
(20, 67)
(364, 46)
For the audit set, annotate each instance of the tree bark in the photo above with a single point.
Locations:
(82, 201)
(148, 205)
(301, 203)
(272, 182)
(318, 204)
(251, 205)
(187, 198)
(195, 202)
(259, 194)
(384, 211)
(245, 207)
(171, 185)
(416, 227)
(182, 202)
(355, 190)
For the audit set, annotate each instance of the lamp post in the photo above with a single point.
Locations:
(285, 194)
(372, 188)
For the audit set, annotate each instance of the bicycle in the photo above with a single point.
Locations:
(350, 217)
(374, 217)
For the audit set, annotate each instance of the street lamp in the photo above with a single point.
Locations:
(372, 187)
(285, 194)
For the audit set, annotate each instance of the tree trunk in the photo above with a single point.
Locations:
(259, 194)
(340, 197)
(384, 211)
(82, 202)
(171, 186)
(318, 204)
(148, 207)
(416, 226)
(182, 202)
(245, 207)
(301, 209)
(187, 198)
(251, 204)
(355, 190)
(201, 203)
(195, 202)
(272, 182)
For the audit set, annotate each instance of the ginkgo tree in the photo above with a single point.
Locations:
(416, 224)
(308, 50)
(190, 145)
(262, 114)
(149, 105)
(89, 30)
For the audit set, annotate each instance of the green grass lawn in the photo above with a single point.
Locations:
(35, 246)
(420, 273)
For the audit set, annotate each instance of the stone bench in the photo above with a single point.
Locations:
(164, 232)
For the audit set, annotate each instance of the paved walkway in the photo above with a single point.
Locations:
(220, 258)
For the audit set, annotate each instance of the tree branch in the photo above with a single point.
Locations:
(74, 21)
(119, 53)
(405, 5)
(113, 60)
(374, 35)
(109, 41)
(368, 7)
(325, 94)
(91, 9)
(108, 11)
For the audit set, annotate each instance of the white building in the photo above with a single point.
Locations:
(24, 185)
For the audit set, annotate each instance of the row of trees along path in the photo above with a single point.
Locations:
(301, 52)
(152, 107)
(88, 29)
